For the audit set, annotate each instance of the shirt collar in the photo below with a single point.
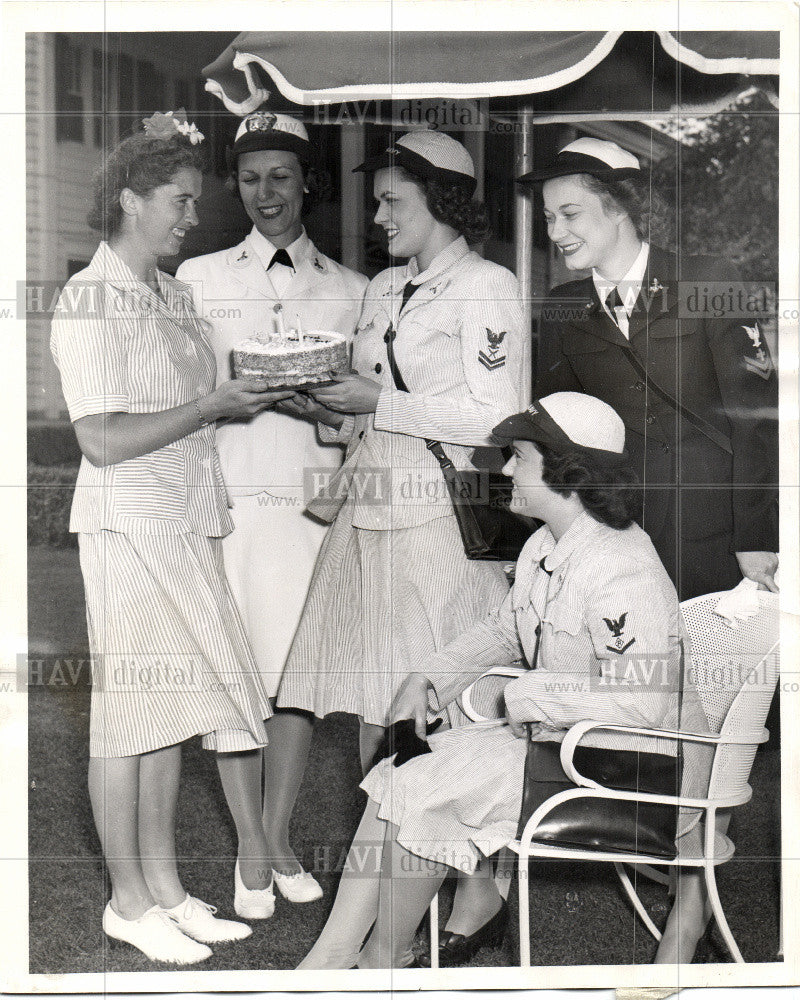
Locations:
(576, 535)
(114, 271)
(445, 258)
(265, 249)
(629, 287)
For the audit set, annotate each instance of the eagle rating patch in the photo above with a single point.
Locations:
(756, 359)
(492, 358)
(616, 627)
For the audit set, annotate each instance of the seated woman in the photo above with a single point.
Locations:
(588, 568)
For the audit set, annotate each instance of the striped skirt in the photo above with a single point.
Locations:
(170, 658)
(459, 803)
(380, 604)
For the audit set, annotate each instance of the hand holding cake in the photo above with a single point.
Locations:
(349, 393)
(237, 399)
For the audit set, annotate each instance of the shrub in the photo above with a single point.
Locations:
(50, 489)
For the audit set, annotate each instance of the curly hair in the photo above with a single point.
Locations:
(644, 206)
(316, 179)
(611, 496)
(142, 163)
(450, 204)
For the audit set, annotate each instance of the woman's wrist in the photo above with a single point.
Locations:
(206, 410)
(202, 419)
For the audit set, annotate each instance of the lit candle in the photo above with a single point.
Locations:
(299, 331)
(281, 327)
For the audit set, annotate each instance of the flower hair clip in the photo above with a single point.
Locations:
(164, 126)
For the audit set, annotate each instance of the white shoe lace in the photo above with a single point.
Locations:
(192, 902)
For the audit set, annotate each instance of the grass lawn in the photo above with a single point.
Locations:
(577, 918)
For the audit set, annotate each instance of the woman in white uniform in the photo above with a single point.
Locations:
(169, 655)
(269, 557)
(589, 565)
(393, 584)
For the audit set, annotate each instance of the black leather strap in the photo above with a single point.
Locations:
(435, 447)
(711, 432)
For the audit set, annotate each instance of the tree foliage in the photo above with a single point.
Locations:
(722, 185)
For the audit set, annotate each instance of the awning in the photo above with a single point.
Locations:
(651, 71)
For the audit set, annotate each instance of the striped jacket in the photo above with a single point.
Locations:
(120, 348)
(463, 353)
(598, 616)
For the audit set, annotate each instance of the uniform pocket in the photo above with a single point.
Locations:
(563, 617)
(152, 486)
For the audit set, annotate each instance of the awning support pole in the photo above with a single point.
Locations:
(523, 221)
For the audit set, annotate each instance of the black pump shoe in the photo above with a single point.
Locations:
(458, 949)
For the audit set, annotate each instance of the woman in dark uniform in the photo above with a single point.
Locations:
(696, 388)
(697, 391)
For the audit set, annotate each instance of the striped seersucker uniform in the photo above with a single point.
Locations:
(595, 592)
(392, 584)
(170, 658)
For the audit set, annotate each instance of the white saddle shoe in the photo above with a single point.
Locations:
(157, 935)
(196, 918)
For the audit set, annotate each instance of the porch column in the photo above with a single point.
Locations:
(352, 196)
(523, 222)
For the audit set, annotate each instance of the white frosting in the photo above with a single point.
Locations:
(314, 340)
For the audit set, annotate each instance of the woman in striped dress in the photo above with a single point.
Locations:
(392, 583)
(588, 566)
(170, 658)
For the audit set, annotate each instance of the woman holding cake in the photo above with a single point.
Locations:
(274, 281)
(169, 655)
(392, 584)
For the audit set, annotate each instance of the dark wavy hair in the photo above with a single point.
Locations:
(316, 179)
(645, 206)
(611, 495)
(450, 204)
(141, 163)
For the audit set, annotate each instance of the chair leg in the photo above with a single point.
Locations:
(719, 913)
(663, 878)
(434, 918)
(524, 913)
(637, 903)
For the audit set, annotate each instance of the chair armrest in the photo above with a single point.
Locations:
(465, 698)
(580, 729)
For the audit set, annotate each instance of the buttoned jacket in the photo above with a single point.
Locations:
(462, 350)
(233, 292)
(582, 611)
(120, 348)
(716, 366)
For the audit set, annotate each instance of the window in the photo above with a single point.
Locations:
(69, 97)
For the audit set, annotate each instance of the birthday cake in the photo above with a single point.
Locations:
(291, 359)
